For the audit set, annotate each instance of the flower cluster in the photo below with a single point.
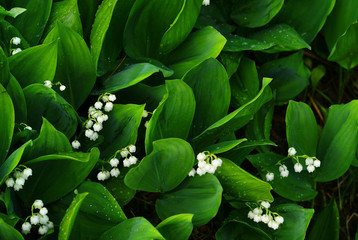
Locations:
(40, 218)
(311, 164)
(144, 115)
(19, 178)
(15, 41)
(207, 163)
(272, 219)
(129, 160)
(96, 117)
(49, 84)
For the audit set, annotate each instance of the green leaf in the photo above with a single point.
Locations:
(68, 220)
(177, 227)
(181, 26)
(199, 195)
(211, 88)
(100, 27)
(7, 123)
(338, 141)
(130, 76)
(338, 22)
(8, 232)
(235, 120)
(87, 9)
(12, 161)
(16, 11)
(42, 101)
(301, 128)
(283, 36)
(255, 13)
(18, 99)
(307, 21)
(7, 32)
(164, 168)
(4, 69)
(290, 76)
(50, 141)
(245, 83)
(32, 22)
(67, 13)
(75, 68)
(199, 46)
(64, 171)
(231, 61)
(345, 51)
(35, 64)
(296, 222)
(296, 187)
(133, 229)
(170, 23)
(235, 229)
(169, 119)
(242, 185)
(121, 129)
(326, 223)
(113, 41)
(98, 212)
(224, 146)
(237, 43)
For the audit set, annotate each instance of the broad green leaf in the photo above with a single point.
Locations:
(301, 128)
(242, 185)
(231, 61)
(235, 120)
(211, 88)
(64, 171)
(164, 168)
(7, 123)
(343, 15)
(8, 232)
(326, 223)
(173, 117)
(170, 23)
(307, 21)
(130, 76)
(245, 83)
(87, 9)
(42, 101)
(13, 12)
(255, 13)
(50, 141)
(296, 187)
(199, 195)
(283, 36)
(338, 141)
(290, 76)
(100, 27)
(133, 229)
(33, 21)
(98, 212)
(237, 43)
(18, 99)
(121, 128)
(181, 26)
(177, 227)
(235, 229)
(199, 46)
(222, 147)
(12, 161)
(69, 219)
(35, 64)
(345, 51)
(75, 68)
(296, 220)
(66, 12)
(113, 41)
(4, 69)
